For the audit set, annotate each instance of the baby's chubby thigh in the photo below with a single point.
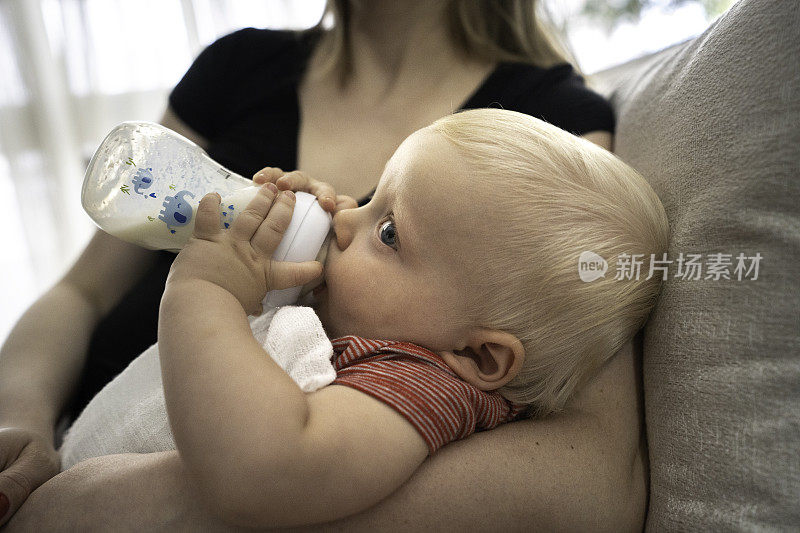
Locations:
(127, 416)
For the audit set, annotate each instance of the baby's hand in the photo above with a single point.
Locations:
(300, 181)
(239, 259)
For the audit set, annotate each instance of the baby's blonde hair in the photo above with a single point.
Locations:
(558, 196)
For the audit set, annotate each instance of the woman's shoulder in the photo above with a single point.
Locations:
(557, 94)
(250, 47)
(265, 39)
(237, 72)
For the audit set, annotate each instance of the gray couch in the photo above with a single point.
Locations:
(714, 125)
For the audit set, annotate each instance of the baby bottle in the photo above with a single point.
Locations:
(145, 181)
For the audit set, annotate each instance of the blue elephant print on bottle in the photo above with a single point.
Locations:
(143, 180)
(177, 211)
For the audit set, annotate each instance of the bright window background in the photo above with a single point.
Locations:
(72, 69)
(604, 33)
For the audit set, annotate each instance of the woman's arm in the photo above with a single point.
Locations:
(42, 358)
(585, 470)
(43, 355)
(604, 139)
(110, 493)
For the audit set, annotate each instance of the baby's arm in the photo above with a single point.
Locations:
(261, 452)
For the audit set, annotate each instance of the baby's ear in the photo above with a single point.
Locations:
(490, 359)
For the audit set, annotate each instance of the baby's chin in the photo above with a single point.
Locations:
(319, 304)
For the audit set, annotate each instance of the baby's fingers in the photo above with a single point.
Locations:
(267, 174)
(253, 215)
(345, 202)
(300, 181)
(270, 232)
(284, 274)
(206, 223)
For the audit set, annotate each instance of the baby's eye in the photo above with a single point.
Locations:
(388, 234)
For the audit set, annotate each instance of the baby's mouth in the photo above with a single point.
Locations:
(318, 284)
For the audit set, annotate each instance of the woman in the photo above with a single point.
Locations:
(335, 105)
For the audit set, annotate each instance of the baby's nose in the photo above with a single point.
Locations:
(343, 228)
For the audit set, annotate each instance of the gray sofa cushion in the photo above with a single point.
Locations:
(714, 124)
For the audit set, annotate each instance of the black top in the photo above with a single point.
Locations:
(241, 95)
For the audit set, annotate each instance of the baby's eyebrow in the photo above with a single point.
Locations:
(406, 232)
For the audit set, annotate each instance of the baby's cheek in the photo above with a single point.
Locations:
(342, 301)
(360, 313)
(360, 298)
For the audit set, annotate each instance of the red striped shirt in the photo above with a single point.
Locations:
(420, 386)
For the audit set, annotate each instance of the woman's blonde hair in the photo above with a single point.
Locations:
(492, 30)
(558, 196)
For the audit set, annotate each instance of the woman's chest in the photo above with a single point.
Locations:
(350, 154)
(347, 138)
(348, 147)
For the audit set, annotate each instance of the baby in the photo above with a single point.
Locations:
(466, 258)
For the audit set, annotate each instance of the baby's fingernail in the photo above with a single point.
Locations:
(271, 186)
(289, 194)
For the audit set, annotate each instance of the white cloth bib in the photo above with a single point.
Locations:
(129, 414)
